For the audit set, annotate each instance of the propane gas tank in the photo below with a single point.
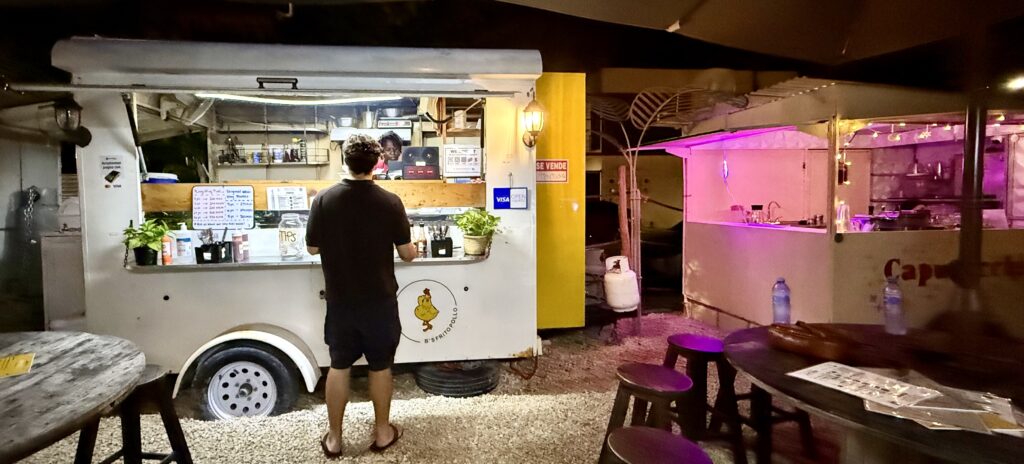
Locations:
(620, 287)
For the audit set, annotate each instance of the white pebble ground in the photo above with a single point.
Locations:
(558, 416)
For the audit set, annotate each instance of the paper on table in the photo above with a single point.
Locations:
(955, 408)
(16, 364)
(936, 419)
(864, 384)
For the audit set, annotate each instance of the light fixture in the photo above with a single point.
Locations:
(296, 101)
(68, 114)
(1017, 83)
(874, 135)
(903, 124)
(1001, 118)
(948, 127)
(533, 122)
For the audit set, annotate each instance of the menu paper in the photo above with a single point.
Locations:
(223, 207)
(866, 385)
(956, 409)
(462, 161)
(286, 198)
(16, 364)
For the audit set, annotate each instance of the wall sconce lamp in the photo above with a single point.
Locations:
(68, 114)
(533, 122)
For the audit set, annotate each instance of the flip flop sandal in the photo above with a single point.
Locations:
(380, 449)
(327, 452)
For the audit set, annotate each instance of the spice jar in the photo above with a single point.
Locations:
(291, 236)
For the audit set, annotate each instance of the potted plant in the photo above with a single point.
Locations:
(144, 241)
(477, 227)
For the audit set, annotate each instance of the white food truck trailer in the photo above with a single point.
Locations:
(262, 320)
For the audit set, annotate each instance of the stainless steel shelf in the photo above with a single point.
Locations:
(265, 165)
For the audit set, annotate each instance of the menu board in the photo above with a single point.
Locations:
(287, 198)
(462, 161)
(222, 207)
(865, 385)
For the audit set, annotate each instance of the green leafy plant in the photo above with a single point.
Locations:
(148, 234)
(477, 222)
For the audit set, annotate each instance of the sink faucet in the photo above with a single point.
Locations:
(771, 218)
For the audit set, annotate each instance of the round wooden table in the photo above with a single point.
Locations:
(75, 377)
(748, 350)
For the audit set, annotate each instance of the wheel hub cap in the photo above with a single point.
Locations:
(241, 389)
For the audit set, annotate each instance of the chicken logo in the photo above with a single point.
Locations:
(425, 310)
(430, 311)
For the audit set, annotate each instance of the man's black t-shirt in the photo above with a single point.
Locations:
(356, 224)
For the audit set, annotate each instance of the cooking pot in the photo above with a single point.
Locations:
(369, 118)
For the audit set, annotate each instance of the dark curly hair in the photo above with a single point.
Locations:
(396, 141)
(361, 154)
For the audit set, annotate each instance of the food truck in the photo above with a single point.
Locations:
(275, 119)
(835, 186)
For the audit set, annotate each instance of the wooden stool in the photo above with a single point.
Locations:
(700, 351)
(152, 388)
(648, 384)
(646, 445)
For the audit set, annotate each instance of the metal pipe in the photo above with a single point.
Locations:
(969, 264)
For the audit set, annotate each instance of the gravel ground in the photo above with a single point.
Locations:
(557, 416)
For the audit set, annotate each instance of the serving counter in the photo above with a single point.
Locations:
(275, 262)
(838, 278)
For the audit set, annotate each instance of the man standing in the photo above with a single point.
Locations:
(354, 226)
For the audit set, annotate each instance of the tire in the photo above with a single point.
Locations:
(246, 381)
(472, 380)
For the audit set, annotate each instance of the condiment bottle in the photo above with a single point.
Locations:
(245, 248)
(166, 249)
(183, 245)
(238, 247)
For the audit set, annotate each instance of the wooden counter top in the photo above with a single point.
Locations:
(414, 193)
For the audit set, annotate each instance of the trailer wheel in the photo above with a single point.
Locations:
(458, 380)
(245, 381)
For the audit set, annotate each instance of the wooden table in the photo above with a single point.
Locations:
(749, 352)
(75, 378)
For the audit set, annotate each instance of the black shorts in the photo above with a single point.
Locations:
(354, 330)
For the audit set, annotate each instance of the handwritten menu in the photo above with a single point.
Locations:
(222, 207)
(462, 161)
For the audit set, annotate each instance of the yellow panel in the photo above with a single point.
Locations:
(561, 208)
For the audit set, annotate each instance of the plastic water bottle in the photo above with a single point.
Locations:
(780, 302)
(892, 304)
